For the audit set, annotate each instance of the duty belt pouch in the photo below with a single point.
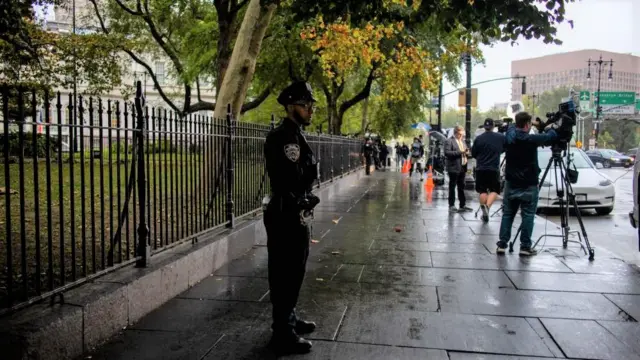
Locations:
(265, 202)
(305, 217)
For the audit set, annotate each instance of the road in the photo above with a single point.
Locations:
(611, 232)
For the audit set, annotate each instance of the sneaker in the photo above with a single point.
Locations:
(501, 250)
(465, 209)
(485, 213)
(453, 209)
(528, 252)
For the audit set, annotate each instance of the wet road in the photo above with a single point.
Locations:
(612, 232)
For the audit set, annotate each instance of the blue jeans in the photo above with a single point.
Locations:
(527, 200)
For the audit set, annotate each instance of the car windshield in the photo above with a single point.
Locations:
(580, 160)
(610, 153)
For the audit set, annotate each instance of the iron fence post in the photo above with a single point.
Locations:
(331, 152)
(230, 171)
(143, 252)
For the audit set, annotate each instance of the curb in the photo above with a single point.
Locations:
(98, 310)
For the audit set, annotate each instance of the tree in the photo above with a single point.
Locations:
(490, 20)
(605, 140)
(620, 134)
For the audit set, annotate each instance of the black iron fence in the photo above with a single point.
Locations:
(92, 185)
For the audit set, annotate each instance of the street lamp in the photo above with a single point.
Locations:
(600, 63)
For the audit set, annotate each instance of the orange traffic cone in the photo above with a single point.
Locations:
(406, 167)
(429, 183)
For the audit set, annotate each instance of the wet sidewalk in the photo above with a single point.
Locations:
(393, 275)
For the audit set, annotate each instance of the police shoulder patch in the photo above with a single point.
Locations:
(292, 151)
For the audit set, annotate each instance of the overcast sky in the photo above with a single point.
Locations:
(598, 24)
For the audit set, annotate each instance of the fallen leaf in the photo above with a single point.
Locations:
(319, 279)
(397, 229)
(335, 221)
(335, 252)
(219, 279)
(315, 241)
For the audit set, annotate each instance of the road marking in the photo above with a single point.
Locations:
(359, 276)
(334, 275)
(325, 234)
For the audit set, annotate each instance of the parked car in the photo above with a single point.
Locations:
(635, 213)
(632, 153)
(593, 190)
(609, 158)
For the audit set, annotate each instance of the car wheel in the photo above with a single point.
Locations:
(604, 211)
(606, 164)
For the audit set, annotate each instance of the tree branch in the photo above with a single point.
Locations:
(258, 100)
(202, 106)
(127, 9)
(198, 88)
(363, 94)
(137, 60)
(239, 6)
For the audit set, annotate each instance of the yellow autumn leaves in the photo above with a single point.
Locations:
(344, 50)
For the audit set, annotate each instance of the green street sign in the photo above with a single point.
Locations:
(638, 105)
(617, 98)
(585, 96)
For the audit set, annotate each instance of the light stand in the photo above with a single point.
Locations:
(600, 63)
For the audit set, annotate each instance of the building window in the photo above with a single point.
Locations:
(160, 72)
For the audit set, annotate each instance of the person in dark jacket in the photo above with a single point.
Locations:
(486, 149)
(367, 153)
(457, 154)
(292, 169)
(521, 175)
(384, 152)
(417, 153)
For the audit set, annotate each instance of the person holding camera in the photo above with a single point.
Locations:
(486, 149)
(521, 175)
(292, 169)
(457, 154)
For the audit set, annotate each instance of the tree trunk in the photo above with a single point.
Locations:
(365, 109)
(242, 64)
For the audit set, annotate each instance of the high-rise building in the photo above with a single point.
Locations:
(570, 69)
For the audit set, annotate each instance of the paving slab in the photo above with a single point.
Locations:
(627, 332)
(502, 335)
(190, 315)
(253, 263)
(154, 345)
(377, 256)
(629, 303)
(333, 270)
(431, 246)
(601, 265)
(323, 350)
(510, 302)
(586, 339)
(470, 356)
(434, 276)
(494, 262)
(218, 287)
(575, 282)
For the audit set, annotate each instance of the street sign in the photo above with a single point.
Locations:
(617, 102)
(462, 97)
(585, 96)
(592, 143)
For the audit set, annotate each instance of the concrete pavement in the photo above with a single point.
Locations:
(393, 275)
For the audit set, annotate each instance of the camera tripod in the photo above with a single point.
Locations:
(567, 199)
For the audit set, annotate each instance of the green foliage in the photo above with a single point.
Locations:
(28, 148)
(621, 135)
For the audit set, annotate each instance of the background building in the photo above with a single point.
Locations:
(570, 69)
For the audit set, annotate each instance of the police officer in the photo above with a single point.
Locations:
(292, 169)
(367, 152)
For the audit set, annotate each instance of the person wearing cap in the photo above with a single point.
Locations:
(292, 169)
(486, 149)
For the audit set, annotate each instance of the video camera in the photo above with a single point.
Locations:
(566, 118)
(503, 124)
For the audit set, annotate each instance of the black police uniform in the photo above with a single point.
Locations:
(292, 169)
(367, 151)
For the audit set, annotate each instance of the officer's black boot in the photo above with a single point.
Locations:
(305, 327)
(289, 343)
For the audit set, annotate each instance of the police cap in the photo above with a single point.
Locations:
(297, 92)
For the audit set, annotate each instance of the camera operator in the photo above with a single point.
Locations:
(521, 174)
(486, 150)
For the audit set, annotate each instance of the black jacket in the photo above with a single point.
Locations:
(486, 149)
(454, 156)
(291, 164)
(521, 168)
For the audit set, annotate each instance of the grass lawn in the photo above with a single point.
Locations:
(73, 240)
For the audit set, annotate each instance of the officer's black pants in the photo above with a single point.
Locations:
(288, 248)
(367, 165)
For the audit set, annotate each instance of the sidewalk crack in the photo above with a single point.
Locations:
(439, 309)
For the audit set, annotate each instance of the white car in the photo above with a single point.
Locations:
(593, 190)
(633, 215)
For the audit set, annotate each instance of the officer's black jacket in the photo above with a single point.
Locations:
(291, 164)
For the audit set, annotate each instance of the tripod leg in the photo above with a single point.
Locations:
(572, 199)
(514, 239)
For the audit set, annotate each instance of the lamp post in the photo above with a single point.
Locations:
(600, 63)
